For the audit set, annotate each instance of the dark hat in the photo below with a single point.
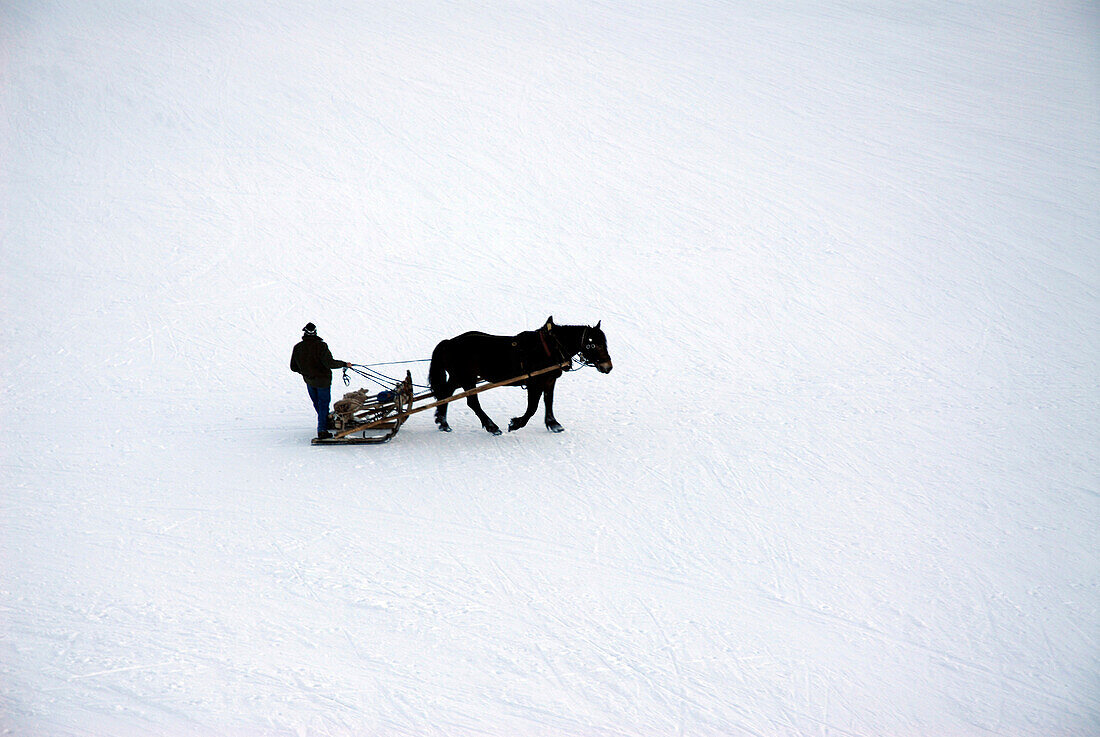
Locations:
(310, 329)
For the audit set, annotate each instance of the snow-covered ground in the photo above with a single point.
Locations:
(844, 478)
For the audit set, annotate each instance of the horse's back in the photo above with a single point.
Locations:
(465, 341)
(475, 335)
(477, 342)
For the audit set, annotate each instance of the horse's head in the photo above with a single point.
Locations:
(594, 349)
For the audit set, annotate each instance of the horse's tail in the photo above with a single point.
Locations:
(437, 371)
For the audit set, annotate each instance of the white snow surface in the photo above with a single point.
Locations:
(843, 480)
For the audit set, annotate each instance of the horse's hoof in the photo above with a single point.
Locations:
(443, 427)
(515, 425)
(494, 431)
(554, 427)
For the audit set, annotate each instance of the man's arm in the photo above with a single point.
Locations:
(332, 363)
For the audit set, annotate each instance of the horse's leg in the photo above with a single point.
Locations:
(486, 421)
(441, 410)
(548, 399)
(534, 392)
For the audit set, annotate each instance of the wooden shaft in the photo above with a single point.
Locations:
(486, 387)
(456, 397)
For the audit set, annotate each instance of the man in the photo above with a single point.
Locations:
(311, 358)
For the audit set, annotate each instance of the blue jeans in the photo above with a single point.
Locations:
(320, 396)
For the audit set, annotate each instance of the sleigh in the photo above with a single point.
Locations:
(361, 418)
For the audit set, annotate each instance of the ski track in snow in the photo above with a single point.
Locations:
(842, 480)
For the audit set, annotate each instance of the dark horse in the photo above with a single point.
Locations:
(461, 361)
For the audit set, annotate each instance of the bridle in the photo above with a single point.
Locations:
(579, 356)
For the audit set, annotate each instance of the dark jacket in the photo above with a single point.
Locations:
(311, 358)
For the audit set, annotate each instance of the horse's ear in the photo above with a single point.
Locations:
(598, 324)
(550, 322)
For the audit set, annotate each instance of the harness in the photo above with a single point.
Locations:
(562, 359)
(573, 359)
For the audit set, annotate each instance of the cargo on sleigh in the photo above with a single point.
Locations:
(361, 418)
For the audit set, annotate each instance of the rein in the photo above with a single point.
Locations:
(384, 381)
